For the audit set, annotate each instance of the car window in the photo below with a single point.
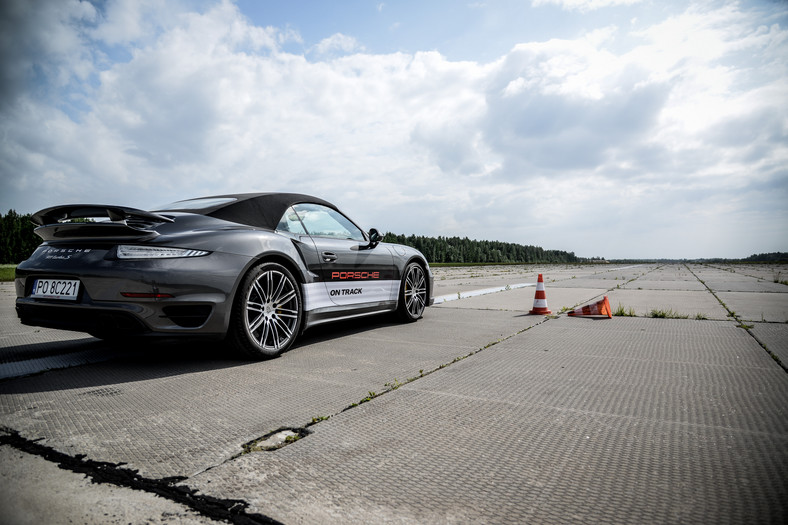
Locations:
(291, 223)
(321, 221)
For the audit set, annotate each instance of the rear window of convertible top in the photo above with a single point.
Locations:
(195, 204)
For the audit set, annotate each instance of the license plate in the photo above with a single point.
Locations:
(55, 289)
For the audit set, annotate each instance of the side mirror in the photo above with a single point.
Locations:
(374, 238)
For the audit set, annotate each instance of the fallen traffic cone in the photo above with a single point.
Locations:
(540, 299)
(599, 308)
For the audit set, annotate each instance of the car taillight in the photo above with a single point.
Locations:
(156, 252)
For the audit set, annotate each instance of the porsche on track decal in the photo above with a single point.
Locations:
(325, 294)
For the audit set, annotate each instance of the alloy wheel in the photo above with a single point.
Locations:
(272, 311)
(415, 291)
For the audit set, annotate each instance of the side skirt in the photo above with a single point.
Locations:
(340, 313)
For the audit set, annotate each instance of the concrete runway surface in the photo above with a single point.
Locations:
(477, 413)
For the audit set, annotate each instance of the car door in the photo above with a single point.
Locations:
(355, 273)
(315, 294)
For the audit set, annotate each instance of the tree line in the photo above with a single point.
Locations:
(768, 257)
(465, 250)
(17, 240)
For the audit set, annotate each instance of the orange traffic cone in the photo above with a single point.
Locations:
(599, 308)
(540, 299)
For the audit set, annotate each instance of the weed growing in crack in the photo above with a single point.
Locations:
(666, 314)
(394, 384)
(370, 396)
(624, 312)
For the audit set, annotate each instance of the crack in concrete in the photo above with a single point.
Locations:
(274, 440)
(746, 327)
(231, 510)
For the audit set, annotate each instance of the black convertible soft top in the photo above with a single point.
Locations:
(253, 209)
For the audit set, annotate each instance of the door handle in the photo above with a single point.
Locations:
(329, 257)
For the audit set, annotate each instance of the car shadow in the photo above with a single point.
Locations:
(338, 329)
(82, 364)
(147, 360)
(27, 352)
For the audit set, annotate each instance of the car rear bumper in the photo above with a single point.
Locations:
(179, 296)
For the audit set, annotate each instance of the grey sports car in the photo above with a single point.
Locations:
(255, 269)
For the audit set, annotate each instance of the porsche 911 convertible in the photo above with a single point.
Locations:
(253, 269)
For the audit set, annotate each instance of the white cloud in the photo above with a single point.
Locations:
(337, 43)
(38, 39)
(569, 143)
(584, 5)
(124, 21)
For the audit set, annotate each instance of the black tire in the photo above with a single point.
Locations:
(412, 293)
(267, 313)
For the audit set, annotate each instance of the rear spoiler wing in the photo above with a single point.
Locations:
(125, 222)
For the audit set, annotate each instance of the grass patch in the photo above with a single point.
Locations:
(666, 314)
(778, 278)
(624, 312)
(7, 272)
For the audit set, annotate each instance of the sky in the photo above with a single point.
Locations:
(607, 128)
